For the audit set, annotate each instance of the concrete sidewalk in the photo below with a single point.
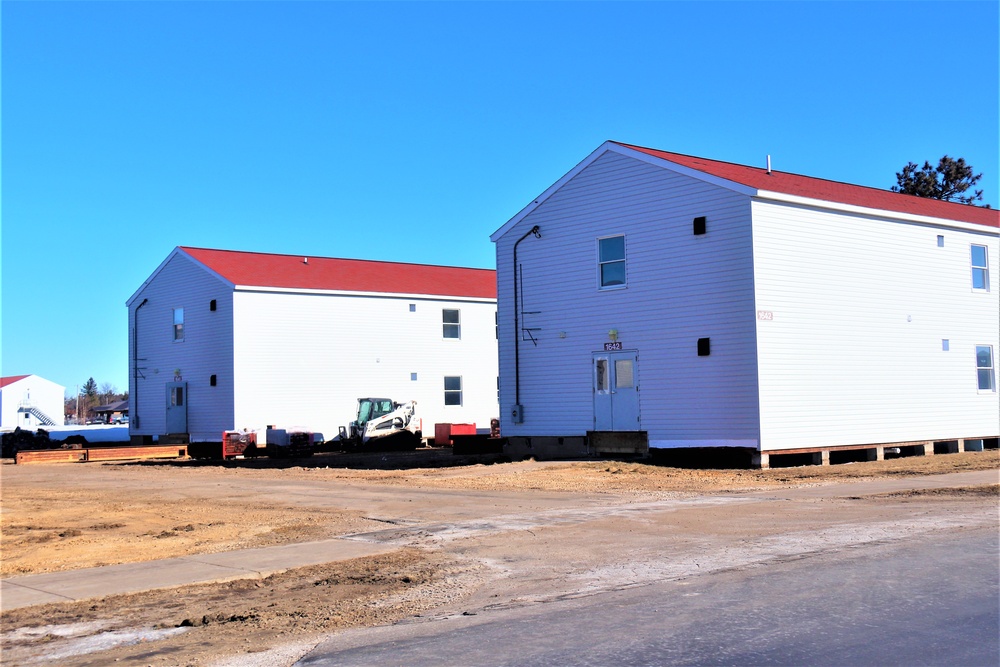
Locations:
(95, 582)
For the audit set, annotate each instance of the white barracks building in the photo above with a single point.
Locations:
(694, 303)
(222, 340)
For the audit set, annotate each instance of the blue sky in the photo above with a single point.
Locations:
(411, 131)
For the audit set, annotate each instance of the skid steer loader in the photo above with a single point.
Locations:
(382, 425)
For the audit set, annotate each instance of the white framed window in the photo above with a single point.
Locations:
(178, 324)
(984, 368)
(980, 268)
(611, 261)
(452, 389)
(452, 323)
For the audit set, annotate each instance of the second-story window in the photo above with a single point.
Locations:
(178, 324)
(611, 261)
(452, 323)
(980, 268)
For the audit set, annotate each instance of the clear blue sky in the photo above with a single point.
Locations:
(410, 132)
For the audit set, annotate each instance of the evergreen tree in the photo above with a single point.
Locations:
(948, 181)
(90, 388)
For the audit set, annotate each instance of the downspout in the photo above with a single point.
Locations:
(517, 324)
(135, 365)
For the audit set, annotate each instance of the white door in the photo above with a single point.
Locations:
(616, 391)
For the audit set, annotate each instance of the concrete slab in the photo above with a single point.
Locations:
(94, 582)
(14, 595)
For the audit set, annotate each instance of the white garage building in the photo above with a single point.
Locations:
(703, 304)
(31, 402)
(222, 340)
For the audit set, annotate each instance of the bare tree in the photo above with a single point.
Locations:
(108, 392)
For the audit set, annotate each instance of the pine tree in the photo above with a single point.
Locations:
(948, 181)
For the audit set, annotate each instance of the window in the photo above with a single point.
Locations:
(980, 269)
(601, 379)
(611, 260)
(452, 390)
(984, 368)
(178, 324)
(413, 307)
(624, 374)
(413, 377)
(452, 323)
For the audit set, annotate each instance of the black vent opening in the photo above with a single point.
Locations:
(700, 224)
(704, 347)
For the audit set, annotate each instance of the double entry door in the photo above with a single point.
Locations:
(616, 391)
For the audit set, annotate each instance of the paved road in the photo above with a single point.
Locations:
(931, 600)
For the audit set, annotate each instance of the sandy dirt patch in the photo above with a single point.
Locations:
(213, 623)
(522, 532)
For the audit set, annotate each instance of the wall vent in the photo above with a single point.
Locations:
(704, 347)
(699, 225)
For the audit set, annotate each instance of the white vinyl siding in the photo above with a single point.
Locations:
(303, 360)
(45, 395)
(181, 283)
(681, 287)
(856, 311)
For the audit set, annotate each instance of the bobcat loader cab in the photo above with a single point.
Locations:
(383, 424)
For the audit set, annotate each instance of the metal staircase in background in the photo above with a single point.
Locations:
(37, 414)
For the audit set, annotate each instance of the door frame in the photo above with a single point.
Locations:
(604, 401)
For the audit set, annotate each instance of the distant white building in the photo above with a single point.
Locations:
(222, 340)
(708, 304)
(31, 402)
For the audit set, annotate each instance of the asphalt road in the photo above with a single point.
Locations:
(930, 600)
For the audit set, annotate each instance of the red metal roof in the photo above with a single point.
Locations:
(11, 379)
(832, 191)
(348, 275)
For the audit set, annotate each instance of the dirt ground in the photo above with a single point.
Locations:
(68, 517)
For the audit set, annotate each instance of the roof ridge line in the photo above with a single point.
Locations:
(336, 259)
